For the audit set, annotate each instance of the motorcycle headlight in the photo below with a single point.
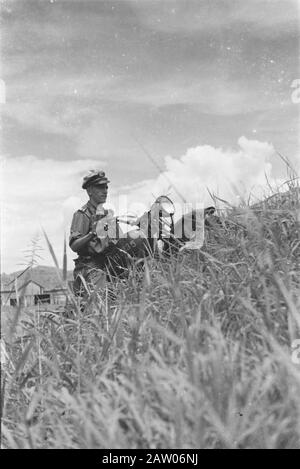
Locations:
(165, 206)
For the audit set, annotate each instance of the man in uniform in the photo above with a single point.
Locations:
(83, 239)
(98, 258)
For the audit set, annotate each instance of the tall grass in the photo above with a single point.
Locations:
(193, 352)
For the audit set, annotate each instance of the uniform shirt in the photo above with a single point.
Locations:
(82, 224)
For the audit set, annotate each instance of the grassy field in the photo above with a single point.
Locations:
(198, 351)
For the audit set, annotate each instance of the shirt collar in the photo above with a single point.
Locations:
(95, 207)
(92, 205)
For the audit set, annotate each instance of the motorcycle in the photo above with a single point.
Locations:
(154, 233)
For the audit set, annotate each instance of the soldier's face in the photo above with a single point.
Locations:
(98, 193)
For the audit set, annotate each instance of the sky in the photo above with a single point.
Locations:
(204, 87)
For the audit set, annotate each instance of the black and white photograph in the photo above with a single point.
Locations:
(150, 227)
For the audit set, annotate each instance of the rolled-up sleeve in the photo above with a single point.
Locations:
(80, 226)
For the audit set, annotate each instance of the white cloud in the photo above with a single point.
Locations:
(232, 174)
(35, 193)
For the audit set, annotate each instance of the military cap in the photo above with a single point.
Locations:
(94, 177)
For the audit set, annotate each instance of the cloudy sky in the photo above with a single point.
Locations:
(204, 85)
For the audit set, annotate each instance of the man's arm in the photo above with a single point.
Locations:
(83, 237)
(80, 235)
(81, 242)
